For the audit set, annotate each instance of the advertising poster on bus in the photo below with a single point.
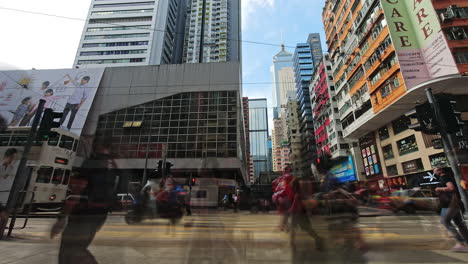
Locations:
(10, 158)
(70, 91)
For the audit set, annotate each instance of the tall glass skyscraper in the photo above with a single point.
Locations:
(304, 57)
(258, 132)
(283, 79)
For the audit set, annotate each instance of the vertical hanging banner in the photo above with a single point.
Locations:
(70, 91)
(420, 44)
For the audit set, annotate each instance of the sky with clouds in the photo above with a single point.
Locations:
(47, 42)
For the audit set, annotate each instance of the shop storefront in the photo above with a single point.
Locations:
(426, 179)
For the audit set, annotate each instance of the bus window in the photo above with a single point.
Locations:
(19, 140)
(66, 142)
(66, 177)
(44, 174)
(4, 140)
(53, 140)
(75, 145)
(199, 194)
(58, 175)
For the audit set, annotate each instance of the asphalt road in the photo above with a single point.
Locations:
(227, 237)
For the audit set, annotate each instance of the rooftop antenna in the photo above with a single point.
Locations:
(282, 41)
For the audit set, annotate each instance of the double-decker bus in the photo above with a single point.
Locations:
(49, 167)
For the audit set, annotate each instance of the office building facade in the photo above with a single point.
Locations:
(258, 134)
(219, 35)
(132, 33)
(304, 69)
(202, 128)
(245, 107)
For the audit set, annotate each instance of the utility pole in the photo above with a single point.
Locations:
(447, 141)
(21, 176)
(145, 172)
(164, 154)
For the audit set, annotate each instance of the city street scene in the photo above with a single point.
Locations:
(234, 131)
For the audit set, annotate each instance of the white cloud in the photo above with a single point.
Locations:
(249, 7)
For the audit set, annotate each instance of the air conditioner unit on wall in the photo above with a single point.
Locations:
(448, 14)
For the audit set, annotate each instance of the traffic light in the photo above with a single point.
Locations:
(47, 123)
(426, 119)
(449, 113)
(193, 181)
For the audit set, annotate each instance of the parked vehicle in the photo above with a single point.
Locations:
(126, 200)
(413, 200)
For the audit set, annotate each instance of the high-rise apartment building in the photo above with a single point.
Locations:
(213, 30)
(384, 54)
(316, 47)
(258, 134)
(282, 71)
(131, 33)
(294, 138)
(280, 155)
(327, 127)
(304, 69)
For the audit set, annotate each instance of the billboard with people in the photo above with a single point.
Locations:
(70, 91)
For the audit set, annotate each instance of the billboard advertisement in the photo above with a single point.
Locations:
(70, 91)
(344, 171)
(370, 155)
(420, 44)
(10, 158)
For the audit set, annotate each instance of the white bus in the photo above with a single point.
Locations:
(209, 192)
(49, 167)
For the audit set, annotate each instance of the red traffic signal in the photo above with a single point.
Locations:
(193, 180)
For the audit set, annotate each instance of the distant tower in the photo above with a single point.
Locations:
(283, 79)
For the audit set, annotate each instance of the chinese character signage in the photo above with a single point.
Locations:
(70, 91)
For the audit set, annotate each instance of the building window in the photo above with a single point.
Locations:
(138, 35)
(119, 12)
(383, 133)
(438, 160)
(392, 170)
(388, 152)
(413, 166)
(180, 120)
(461, 57)
(400, 125)
(407, 145)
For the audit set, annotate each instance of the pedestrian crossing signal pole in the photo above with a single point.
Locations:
(447, 141)
(21, 176)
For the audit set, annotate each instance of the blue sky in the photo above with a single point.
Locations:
(264, 21)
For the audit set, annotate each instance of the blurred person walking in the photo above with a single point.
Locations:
(451, 209)
(283, 196)
(94, 194)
